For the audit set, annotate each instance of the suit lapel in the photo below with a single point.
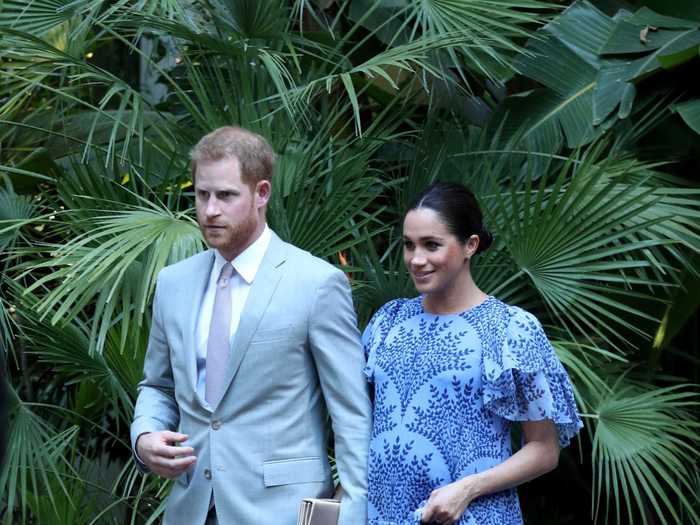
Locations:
(199, 279)
(261, 292)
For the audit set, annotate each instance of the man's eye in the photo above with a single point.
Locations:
(202, 194)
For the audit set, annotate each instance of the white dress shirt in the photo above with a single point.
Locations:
(245, 267)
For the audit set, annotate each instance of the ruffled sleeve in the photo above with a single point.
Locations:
(523, 379)
(375, 333)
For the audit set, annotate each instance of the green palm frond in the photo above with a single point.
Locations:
(674, 217)
(91, 499)
(584, 364)
(248, 18)
(644, 447)
(115, 264)
(325, 187)
(110, 376)
(498, 274)
(322, 198)
(16, 211)
(575, 241)
(121, 106)
(208, 57)
(188, 12)
(412, 58)
(40, 16)
(490, 29)
(215, 87)
(36, 457)
(89, 189)
(382, 277)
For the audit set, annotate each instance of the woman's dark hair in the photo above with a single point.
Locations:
(458, 209)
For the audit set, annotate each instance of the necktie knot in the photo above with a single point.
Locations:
(225, 276)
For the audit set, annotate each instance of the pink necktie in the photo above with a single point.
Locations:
(218, 343)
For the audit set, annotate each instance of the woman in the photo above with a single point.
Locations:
(452, 369)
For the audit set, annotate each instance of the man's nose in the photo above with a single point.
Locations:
(212, 208)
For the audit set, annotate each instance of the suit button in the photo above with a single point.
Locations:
(216, 424)
(207, 473)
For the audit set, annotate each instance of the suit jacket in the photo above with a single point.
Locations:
(296, 358)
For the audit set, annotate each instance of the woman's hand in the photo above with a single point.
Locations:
(538, 455)
(447, 504)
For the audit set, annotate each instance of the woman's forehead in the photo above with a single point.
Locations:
(424, 222)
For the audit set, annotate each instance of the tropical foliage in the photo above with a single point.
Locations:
(576, 124)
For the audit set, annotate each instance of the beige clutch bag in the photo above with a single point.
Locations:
(313, 511)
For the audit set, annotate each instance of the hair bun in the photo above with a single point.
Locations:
(485, 240)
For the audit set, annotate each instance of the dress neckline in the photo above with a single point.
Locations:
(468, 311)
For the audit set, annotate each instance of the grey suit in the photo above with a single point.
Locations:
(295, 358)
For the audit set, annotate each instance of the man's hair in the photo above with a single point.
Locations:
(252, 151)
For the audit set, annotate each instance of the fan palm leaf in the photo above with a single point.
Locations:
(114, 264)
(575, 241)
(644, 447)
(15, 212)
(326, 189)
(121, 105)
(66, 349)
(382, 277)
(490, 29)
(36, 456)
(413, 58)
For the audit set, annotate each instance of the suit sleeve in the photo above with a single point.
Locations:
(156, 408)
(339, 358)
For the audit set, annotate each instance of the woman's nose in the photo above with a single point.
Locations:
(417, 258)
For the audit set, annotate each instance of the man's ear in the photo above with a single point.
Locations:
(263, 190)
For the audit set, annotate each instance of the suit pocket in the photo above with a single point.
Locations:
(271, 335)
(288, 471)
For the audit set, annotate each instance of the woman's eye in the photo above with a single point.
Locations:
(432, 246)
(408, 245)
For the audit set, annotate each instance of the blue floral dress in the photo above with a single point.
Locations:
(447, 388)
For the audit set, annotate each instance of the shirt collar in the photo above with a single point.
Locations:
(249, 260)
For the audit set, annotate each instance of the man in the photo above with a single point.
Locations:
(253, 343)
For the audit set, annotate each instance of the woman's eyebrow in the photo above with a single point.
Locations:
(425, 238)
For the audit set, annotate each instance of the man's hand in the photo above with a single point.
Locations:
(160, 453)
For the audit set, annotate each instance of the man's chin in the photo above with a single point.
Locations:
(215, 241)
